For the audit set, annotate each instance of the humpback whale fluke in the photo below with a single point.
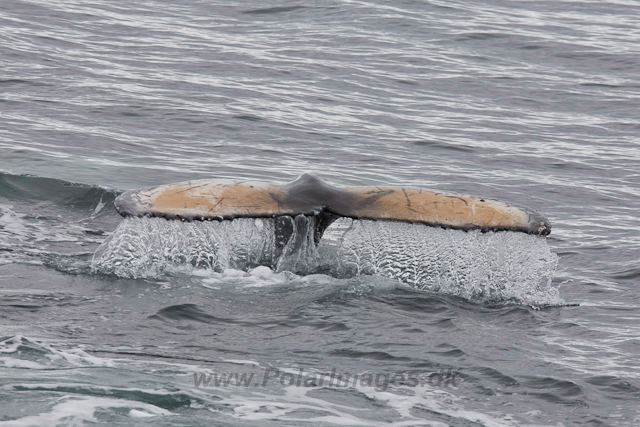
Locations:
(309, 196)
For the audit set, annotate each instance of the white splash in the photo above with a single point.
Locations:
(494, 267)
(482, 267)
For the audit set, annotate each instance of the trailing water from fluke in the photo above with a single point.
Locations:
(480, 250)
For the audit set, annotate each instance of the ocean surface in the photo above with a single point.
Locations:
(530, 102)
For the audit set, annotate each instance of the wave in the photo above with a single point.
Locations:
(50, 221)
(71, 387)
(49, 194)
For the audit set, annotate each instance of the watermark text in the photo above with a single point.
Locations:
(446, 377)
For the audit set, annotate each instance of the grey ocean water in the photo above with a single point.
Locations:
(530, 102)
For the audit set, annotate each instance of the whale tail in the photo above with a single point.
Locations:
(206, 200)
